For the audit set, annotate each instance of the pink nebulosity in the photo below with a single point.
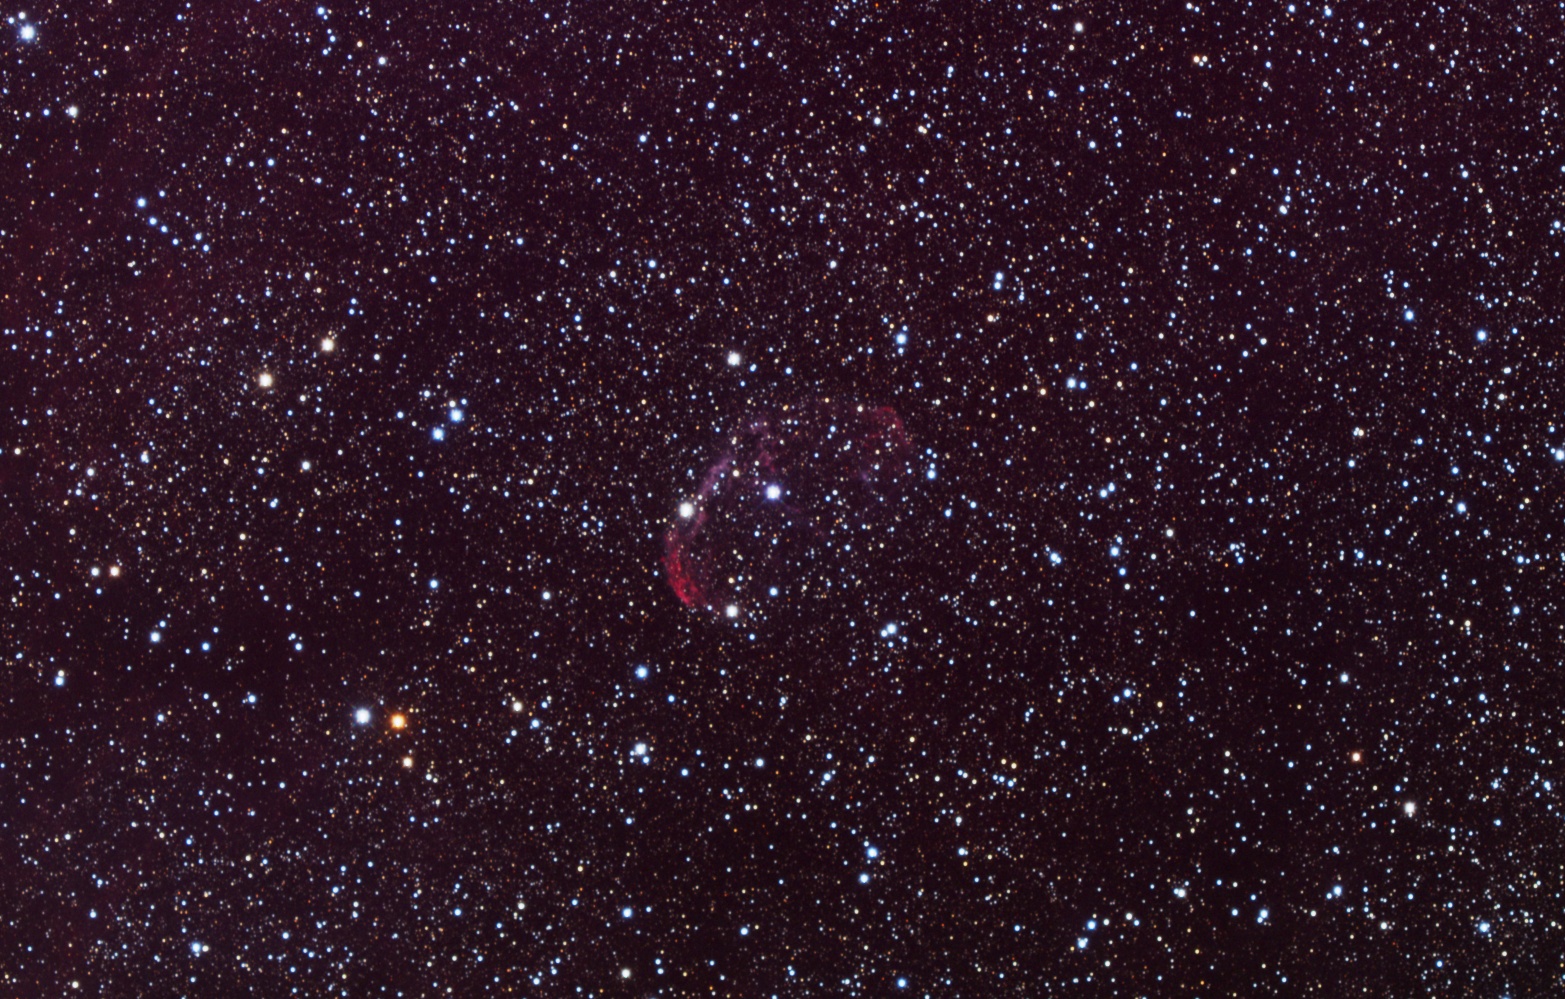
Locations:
(772, 509)
(687, 587)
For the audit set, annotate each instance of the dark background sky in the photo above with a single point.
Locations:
(1168, 568)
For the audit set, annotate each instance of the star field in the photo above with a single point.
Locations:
(829, 499)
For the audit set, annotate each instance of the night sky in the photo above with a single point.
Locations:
(666, 499)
